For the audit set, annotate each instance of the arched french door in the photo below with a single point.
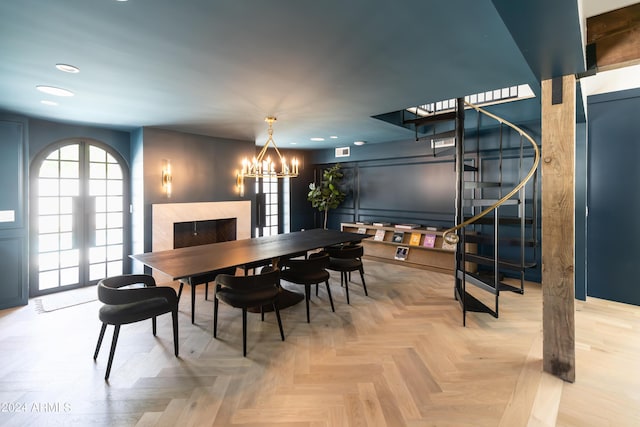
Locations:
(78, 216)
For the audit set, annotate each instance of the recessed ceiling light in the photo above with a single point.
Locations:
(293, 143)
(317, 139)
(359, 142)
(57, 91)
(46, 102)
(68, 68)
(333, 137)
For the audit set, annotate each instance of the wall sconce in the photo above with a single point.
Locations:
(167, 177)
(240, 183)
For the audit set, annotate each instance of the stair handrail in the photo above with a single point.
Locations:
(453, 238)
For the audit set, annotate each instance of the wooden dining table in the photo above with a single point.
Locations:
(189, 262)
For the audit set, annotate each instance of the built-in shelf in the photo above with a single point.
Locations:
(383, 247)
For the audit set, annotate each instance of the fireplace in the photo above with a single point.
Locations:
(194, 233)
(165, 215)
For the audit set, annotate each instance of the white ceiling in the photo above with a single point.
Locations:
(218, 68)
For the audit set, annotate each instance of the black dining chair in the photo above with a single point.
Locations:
(307, 272)
(131, 298)
(199, 280)
(345, 259)
(247, 292)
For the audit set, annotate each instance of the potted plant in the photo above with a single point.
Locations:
(327, 195)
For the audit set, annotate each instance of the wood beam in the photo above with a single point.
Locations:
(615, 37)
(558, 228)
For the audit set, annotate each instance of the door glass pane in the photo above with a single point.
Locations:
(48, 280)
(48, 261)
(97, 271)
(48, 205)
(69, 187)
(49, 169)
(48, 224)
(70, 152)
(97, 187)
(69, 169)
(69, 258)
(98, 170)
(97, 154)
(69, 276)
(48, 186)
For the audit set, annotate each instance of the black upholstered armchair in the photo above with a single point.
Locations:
(254, 291)
(131, 298)
(346, 259)
(307, 272)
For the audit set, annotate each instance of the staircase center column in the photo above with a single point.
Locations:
(558, 228)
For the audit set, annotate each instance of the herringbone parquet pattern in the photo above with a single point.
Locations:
(399, 357)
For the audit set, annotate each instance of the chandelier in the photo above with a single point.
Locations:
(261, 167)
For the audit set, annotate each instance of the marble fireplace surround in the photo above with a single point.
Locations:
(164, 215)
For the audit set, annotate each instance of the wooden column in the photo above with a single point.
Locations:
(558, 171)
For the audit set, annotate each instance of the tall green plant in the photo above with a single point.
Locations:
(327, 195)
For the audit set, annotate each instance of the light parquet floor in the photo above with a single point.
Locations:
(399, 357)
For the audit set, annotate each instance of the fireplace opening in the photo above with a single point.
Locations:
(194, 233)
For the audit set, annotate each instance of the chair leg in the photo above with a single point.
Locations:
(154, 326)
(307, 297)
(316, 289)
(193, 303)
(346, 285)
(364, 285)
(330, 298)
(262, 312)
(180, 290)
(215, 316)
(206, 291)
(114, 341)
(244, 332)
(277, 310)
(100, 337)
(174, 316)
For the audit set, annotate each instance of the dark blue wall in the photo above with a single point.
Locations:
(613, 245)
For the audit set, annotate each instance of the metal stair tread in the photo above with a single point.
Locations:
(473, 304)
(488, 220)
(483, 184)
(488, 239)
(489, 202)
(508, 264)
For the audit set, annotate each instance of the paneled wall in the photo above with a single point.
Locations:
(14, 235)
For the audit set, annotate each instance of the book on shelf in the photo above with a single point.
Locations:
(407, 226)
(449, 246)
(430, 228)
(401, 253)
(382, 224)
(398, 236)
(379, 235)
(429, 240)
(415, 239)
(362, 230)
(362, 223)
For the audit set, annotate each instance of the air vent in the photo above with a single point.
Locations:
(442, 143)
(343, 152)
